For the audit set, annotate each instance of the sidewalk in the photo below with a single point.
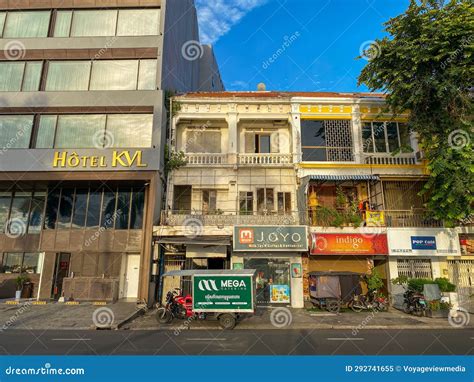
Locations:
(287, 318)
(61, 316)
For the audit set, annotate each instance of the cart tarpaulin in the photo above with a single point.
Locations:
(326, 287)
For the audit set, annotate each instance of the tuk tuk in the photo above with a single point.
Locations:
(224, 295)
(331, 290)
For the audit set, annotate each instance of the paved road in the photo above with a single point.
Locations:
(238, 342)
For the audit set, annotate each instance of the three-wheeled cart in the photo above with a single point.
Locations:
(331, 290)
(223, 294)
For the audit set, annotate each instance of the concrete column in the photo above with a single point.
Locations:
(233, 149)
(296, 133)
(357, 134)
(297, 294)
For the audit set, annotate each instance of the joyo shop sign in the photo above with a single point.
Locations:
(222, 293)
(270, 238)
(119, 158)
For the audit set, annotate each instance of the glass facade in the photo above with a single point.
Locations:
(80, 23)
(106, 207)
(101, 75)
(18, 76)
(79, 131)
(21, 212)
(29, 263)
(15, 131)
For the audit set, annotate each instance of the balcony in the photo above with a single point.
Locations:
(377, 159)
(330, 217)
(265, 159)
(205, 159)
(177, 218)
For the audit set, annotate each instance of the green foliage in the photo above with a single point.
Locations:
(173, 160)
(21, 280)
(425, 66)
(400, 280)
(331, 217)
(443, 283)
(374, 280)
(437, 305)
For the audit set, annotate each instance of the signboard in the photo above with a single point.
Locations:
(270, 238)
(427, 242)
(50, 160)
(222, 293)
(280, 294)
(375, 218)
(296, 271)
(349, 244)
(423, 243)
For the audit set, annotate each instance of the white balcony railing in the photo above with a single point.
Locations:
(390, 159)
(265, 159)
(206, 159)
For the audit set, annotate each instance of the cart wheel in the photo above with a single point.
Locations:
(227, 321)
(163, 316)
(333, 306)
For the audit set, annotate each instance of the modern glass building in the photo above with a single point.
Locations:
(82, 133)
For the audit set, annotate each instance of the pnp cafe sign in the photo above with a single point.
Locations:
(270, 238)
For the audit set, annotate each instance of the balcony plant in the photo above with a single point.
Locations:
(21, 280)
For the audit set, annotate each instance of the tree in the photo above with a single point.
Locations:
(425, 66)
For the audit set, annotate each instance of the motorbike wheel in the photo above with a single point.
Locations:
(164, 316)
(333, 306)
(355, 307)
(382, 307)
(406, 308)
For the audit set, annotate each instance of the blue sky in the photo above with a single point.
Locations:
(323, 39)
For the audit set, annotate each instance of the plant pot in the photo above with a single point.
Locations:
(443, 313)
(18, 295)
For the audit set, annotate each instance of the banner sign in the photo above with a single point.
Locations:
(424, 243)
(349, 244)
(270, 238)
(222, 293)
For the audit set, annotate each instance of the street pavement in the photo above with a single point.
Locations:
(238, 342)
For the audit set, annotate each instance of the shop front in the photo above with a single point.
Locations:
(422, 252)
(347, 252)
(276, 253)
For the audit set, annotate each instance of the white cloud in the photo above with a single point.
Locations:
(217, 17)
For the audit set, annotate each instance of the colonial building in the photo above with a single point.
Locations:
(261, 169)
(82, 133)
(234, 202)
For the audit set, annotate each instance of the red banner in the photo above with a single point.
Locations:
(349, 244)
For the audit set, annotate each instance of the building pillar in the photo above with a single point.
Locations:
(357, 134)
(233, 149)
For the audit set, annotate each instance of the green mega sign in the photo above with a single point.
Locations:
(270, 238)
(222, 293)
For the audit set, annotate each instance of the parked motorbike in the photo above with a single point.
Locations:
(371, 301)
(177, 306)
(414, 303)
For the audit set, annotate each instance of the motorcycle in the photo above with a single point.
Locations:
(414, 303)
(368, 302)
(177, 306)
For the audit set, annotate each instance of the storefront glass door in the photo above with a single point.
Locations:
(273, 280)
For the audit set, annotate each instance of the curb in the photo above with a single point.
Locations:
(139, 312)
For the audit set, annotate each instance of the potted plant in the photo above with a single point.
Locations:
(439, 309)
(21, 280)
